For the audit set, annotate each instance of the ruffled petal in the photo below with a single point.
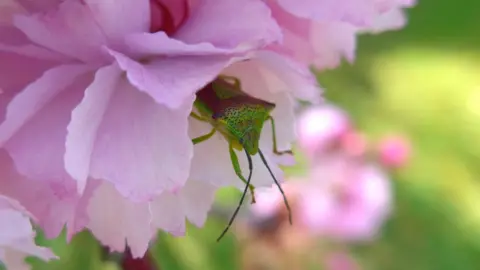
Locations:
(17, 236)
(53, 202)
(212, 22)
(284, 75)
(360, 12)
(117, 221)
(85, 122)
(197, 199)
(141, 147)
(135, 16)
(172, 81)
(43, 109)
(394, 19)
(16, 72)
(150, 44)
(322, 43)
(36, 96)
(70, 30)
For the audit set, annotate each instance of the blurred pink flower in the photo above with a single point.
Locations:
(320, 127)
(17, 236)
(95, 111)
(322, 32)
(354, 143)
(394, 151)
(341, 198)
(346, 200)
(340, 261)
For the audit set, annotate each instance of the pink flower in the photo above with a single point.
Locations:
(354, 143)
(322, 32)
(341, 198)
(340, 261)
(347, 200)
(17, 236)
(94, 110)
(320, 127)
(394, 151)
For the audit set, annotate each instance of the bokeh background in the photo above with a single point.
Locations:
(423, 82)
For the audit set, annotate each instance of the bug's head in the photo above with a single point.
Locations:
(250, 140)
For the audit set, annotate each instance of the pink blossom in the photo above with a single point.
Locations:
(354, 143)
(347, 200)
(95, 111)
(323, 32)
(320, 127)
(17, 236)
(394, 151)
(340, 261)
(341, 198)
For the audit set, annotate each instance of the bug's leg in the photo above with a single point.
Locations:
(285, 200)
(230, 222)
(236, 81)
(198, 117)
(204, 137)
(238, 170)
(274, 138)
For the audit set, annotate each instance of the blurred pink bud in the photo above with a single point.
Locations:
(354, 143)
(320, 126)
(394, 151)
(340, 261)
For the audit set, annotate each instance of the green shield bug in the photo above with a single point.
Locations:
(239, 118)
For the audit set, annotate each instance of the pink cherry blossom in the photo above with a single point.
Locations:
(17, 236)
(94, 111)
(354, 143)
(347, 200)
(341, 198)
(320, 127)
(394, 151)
(323, 32)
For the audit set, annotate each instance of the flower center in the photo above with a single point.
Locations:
(168, 15)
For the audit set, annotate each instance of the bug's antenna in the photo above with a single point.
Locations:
(287, 205)
(230, 222)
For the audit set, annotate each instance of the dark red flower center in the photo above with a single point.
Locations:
(168, 15)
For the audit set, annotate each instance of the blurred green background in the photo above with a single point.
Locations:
(422, 81)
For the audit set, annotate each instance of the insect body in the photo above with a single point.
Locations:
(240, 119)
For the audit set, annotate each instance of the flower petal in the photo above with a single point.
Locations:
(135, 16)
(53, 202)
(70, 30)
(212, 22)
(85, 122)
(37, 95)
(16, 72)
(197, 199)
(17, 236)
(43, 109)
(282, 74)
(148, 44)
(360, 12)
(114, 220)
(173, 80)
(141, 146)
